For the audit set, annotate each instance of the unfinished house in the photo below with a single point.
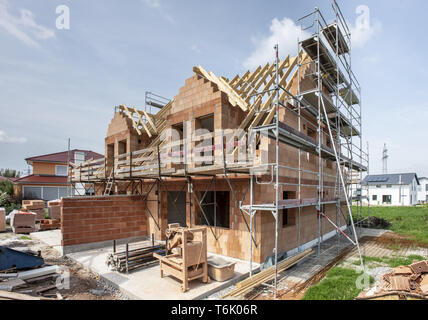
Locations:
(261, 160)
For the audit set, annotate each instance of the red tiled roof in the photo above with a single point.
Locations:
(39, 179)
(62, 157)
(5, 178)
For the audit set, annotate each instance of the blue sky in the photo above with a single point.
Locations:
(57, 84)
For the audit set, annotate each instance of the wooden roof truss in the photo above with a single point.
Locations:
(253, 92)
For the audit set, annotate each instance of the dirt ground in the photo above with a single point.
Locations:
(394, 239)
(83, 284)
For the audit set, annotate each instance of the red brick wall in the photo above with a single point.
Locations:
(98, 219)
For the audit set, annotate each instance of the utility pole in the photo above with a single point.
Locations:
(385, 160)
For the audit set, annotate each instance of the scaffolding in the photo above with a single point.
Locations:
(327, 90)
(361, 196)
(335, 101)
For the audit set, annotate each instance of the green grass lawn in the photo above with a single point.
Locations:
(411, 222)
(339, 284)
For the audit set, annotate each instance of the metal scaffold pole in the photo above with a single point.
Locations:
(338, 126)
(299, 116)
(251, 224)
(319, 133)
(276, 166)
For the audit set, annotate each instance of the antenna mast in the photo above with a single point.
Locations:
(385, 160)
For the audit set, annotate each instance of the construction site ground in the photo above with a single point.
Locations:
(375, 243)
(144, 283)
(83, 284)
(91, 279)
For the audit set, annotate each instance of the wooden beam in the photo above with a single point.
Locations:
(130, 116)
(287, 87)
(140, 121)
(234, 98)
(149, 120)
(249, 284)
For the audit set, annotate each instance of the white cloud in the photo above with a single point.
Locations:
(156, 4)
(360, 35)
(6, 139)
(283, 32)
(152, 3)
(23, 27)
(195, 48)
(364, 28)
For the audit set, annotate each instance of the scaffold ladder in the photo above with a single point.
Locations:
(109, 184)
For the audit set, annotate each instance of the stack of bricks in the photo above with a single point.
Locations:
(49, 224)
(23, 222)
(35, 206)
(2, 220)
(54, 208)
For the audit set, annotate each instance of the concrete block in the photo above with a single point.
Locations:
(21, 219)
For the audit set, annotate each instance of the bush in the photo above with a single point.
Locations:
(4, 199)
(7, 202)
(12, 206)
(7, 187)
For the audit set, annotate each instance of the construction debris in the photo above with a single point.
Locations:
(63, 279)
(249, 284)
(12, 284)
(37, 273)
(420, 267)
(404, 281)
(17, 260)
(31, 282)
(5, 295)
(8, 275)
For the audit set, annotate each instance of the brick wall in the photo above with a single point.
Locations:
(90, 220)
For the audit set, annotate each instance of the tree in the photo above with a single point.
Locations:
(10, 173)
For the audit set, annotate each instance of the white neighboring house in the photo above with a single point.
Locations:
(399, 189)
(423, 190)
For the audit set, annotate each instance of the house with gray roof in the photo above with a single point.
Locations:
(398, 189)
(423, 190)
